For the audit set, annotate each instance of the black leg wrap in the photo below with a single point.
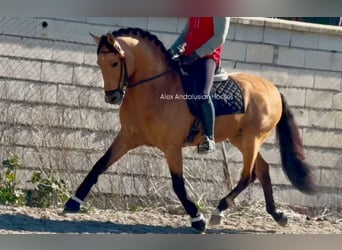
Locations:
(223, 205)
(199, 226)
(179, 188)
(72, 206)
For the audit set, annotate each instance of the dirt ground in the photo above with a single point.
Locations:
(240, 220)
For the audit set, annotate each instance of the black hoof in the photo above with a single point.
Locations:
(199, 226)
(72, 206)
(281, 219)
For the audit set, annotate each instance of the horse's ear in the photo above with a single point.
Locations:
(113, 41)
(96, 38)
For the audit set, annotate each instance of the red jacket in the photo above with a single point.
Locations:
(201, 29)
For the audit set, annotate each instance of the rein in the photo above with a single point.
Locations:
(126, 84)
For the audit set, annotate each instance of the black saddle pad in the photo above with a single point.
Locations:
(226, 95)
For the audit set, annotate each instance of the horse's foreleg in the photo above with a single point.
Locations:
(119, 147)
(262, 172)
(175, 162)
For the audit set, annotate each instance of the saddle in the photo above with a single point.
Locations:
(226, 95)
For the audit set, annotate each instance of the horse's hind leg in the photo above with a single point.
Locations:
(250, 149)
(262, 173)
(118, 148)
(175, 162)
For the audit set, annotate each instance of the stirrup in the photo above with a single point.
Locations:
(207, 147)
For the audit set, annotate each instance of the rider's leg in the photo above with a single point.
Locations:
(203, 72)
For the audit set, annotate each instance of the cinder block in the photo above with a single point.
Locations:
(72, 118)
(290, 57)
(337, 101)
(25, 48)
(113, 21)
(166, 38)
(6, 135)
(318, 98)
(181, 24)
(140, 22)
(20, 68)
(28, 136)
(328, 80)
(259, 53)
(321, 119)
(234, 51)
(49, 93)
(69, 95)
(90, 56)
(23, 26)
(87, 76)
(304, 40)
(22, 114)
(294, 96)
(314, 137)
(67, 52)
(319, 157)
(301, 116)
(278, 75)
(248, 33)
(335, 139)
(301, 78)
(338, 120)
(111, 121)
(49, 115)
(330, 43)
(23, 91)
(336, 61)
(277, 36)
(56, 72)
(3, 110)
(91, 119)
(317, 59)
(278, 177)
(94, 98)
(249, 68)
(271, 154)
(331, 178)
(165, 24)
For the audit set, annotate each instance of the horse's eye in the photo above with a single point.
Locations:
(115, 64)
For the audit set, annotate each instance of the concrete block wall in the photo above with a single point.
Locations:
(52, 111)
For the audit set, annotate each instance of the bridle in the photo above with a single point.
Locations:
(124, 82)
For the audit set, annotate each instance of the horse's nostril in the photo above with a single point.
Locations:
(114, 97)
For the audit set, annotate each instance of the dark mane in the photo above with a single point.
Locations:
(137, 32)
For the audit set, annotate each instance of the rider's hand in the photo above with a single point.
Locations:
(188, 60)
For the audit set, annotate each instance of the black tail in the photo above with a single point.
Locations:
(291, 151)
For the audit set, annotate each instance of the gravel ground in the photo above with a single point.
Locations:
(240, 220)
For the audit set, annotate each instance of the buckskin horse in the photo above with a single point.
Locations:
(137, 70)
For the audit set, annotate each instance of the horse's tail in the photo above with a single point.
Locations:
(291, 151)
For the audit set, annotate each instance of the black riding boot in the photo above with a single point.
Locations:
(207, 117)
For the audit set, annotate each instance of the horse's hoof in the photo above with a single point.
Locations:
(72, 206)
(199, 226)
(198, 223)
(215, 219)
(281, 219)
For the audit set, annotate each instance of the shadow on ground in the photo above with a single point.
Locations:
(27, 224)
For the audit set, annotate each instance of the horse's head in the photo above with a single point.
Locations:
(130, 57)
(112, 62)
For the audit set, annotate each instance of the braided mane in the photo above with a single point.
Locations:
(141, 33)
